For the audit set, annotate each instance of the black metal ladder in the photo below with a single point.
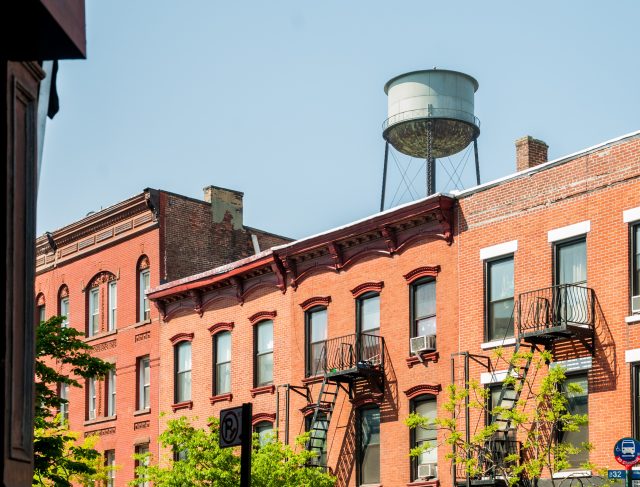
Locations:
(324, 406)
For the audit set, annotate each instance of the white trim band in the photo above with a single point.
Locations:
(498, 250)
(493, 377)
(498, 343)
(632, 319)
(631, 215)
(632, 355)
(569, 231)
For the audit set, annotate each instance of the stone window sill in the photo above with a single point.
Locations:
(221, 398)
(182, 405)
(426, 357)
(142, 323)
(632, 319)
(141, 412)
(570, 474)
(268, 389)
(507, 342)
(105, 419)
(100, 335)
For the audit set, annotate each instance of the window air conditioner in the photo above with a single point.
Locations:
(635, 304)
(427, 470)
(425, 343)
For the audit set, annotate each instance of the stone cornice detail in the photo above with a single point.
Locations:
(421, 389)
(223, 326)
(262, 315)
(315, 301)
(260, 417)
(366, 287)
(181, 337)
(420, 272)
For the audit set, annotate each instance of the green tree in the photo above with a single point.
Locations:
(204, 463)
(62, 357)
(541, 412)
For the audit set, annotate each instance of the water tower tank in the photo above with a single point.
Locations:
(433, 103)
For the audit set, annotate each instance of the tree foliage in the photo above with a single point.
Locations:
(62, 357)
(540, 414)
(204, 463)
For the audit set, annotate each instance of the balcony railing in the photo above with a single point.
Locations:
(556, 309)
(491, 460)
(359, 353)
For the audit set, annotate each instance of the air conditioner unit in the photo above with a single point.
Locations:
(427, 470)
(425, 343)
(635, 304)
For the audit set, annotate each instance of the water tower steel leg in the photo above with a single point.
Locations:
(431, 175)
(384, 175)
(475, 151)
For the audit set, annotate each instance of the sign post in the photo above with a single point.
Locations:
(235, 430)
(627, 453)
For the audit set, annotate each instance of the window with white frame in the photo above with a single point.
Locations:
(264, 353)
(63, 393)
(92, 399)
(144, 308)
(110, 463)
(144, 383)
(94, 312)
(64, 312)
(111, 393)
(635, 268)
(182, 372)
(222, 361)
(423, 308)
(142, 450)
(576, 389)
(113, 306)
(499, 289)
(425, 465)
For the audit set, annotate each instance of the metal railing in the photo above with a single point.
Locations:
(556, 306)
(421, 113)
(492, 458)
(357, 351)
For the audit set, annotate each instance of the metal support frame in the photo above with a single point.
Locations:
(384, 174)
(475, 151)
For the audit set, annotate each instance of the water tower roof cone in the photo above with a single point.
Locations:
(434, 105)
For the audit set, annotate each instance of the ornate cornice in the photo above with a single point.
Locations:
(262, 315)
(260, 417)
(420, 272)
(315, 301)
(366, 287)
(181, 337)
(223, 326)
(420, 389)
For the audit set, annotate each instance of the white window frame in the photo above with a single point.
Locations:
(64, 311)
(94, 312)
(144, 386)
(111, 393)
(113, 305)
(144, 307)
(110, 461)
(92, 399)
(64, 407)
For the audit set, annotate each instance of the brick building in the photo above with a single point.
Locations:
(95, 271)
(317, 333)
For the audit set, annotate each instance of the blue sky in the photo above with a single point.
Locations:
(284, 100)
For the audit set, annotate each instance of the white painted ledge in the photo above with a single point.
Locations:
(631, 215)
(631, 356)
(498, 343)
(498, 250)
(569, 231)
(632, 319)
(572, 474)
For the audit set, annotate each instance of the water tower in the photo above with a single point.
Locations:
(430, 116)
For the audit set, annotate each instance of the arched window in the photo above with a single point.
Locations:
(144, 283)
(182, 372)
(63, 305)
(41, 313)
(263, 348)
(102, 289)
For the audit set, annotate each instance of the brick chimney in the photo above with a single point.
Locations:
(225, 201)
(530, 152)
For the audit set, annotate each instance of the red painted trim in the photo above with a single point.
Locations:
(420, 389)
(260, 417)
(182, 405)
(181, 337)
(270, 389)
(366, 287)
(218, 327)
(315, 301)
(221, 398)
(426, 357)
(363, 400)
(262, 315)
(419, 272)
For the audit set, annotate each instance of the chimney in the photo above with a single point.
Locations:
(530, 152)
(225, 201)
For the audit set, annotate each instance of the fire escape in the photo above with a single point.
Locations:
(346, 362)
(543, 318)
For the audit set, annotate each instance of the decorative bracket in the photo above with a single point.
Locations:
(390, 238)
(280, 273)
(238, 285)
(196, 295)
(336, 253)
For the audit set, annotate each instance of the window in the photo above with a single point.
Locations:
(319, 432)
(423, 308)
(578, 403)
(63, 393)
(180, 454)
(64, 311)
(635, 401)
(265, 432)
(222, 361)
(142, 450)
(94, 312)
(571, 271)
(183, 372)
(264, 352)
(111, 393)
(110, 463)
(499, 307)
(144, 383)
(41, 313)
(113, 305)
(316, 334)
(635, 268)
(368, 441)
(368, 314)
(92, 401)
(425, 406)
(144, 309)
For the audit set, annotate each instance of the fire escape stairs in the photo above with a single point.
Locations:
(323, 407)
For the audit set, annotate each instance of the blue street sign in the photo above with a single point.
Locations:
(622, 474)
(627, 451)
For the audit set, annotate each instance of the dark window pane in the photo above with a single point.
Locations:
(426, 436)
(370, 315)
(265, 369)
(370, 446)
(501, 324)
(578, 404)
(636, 261)
(572, 263)
(500, 284)
(265, 336)
(316, 336)
(425, 299)
(223, 378)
